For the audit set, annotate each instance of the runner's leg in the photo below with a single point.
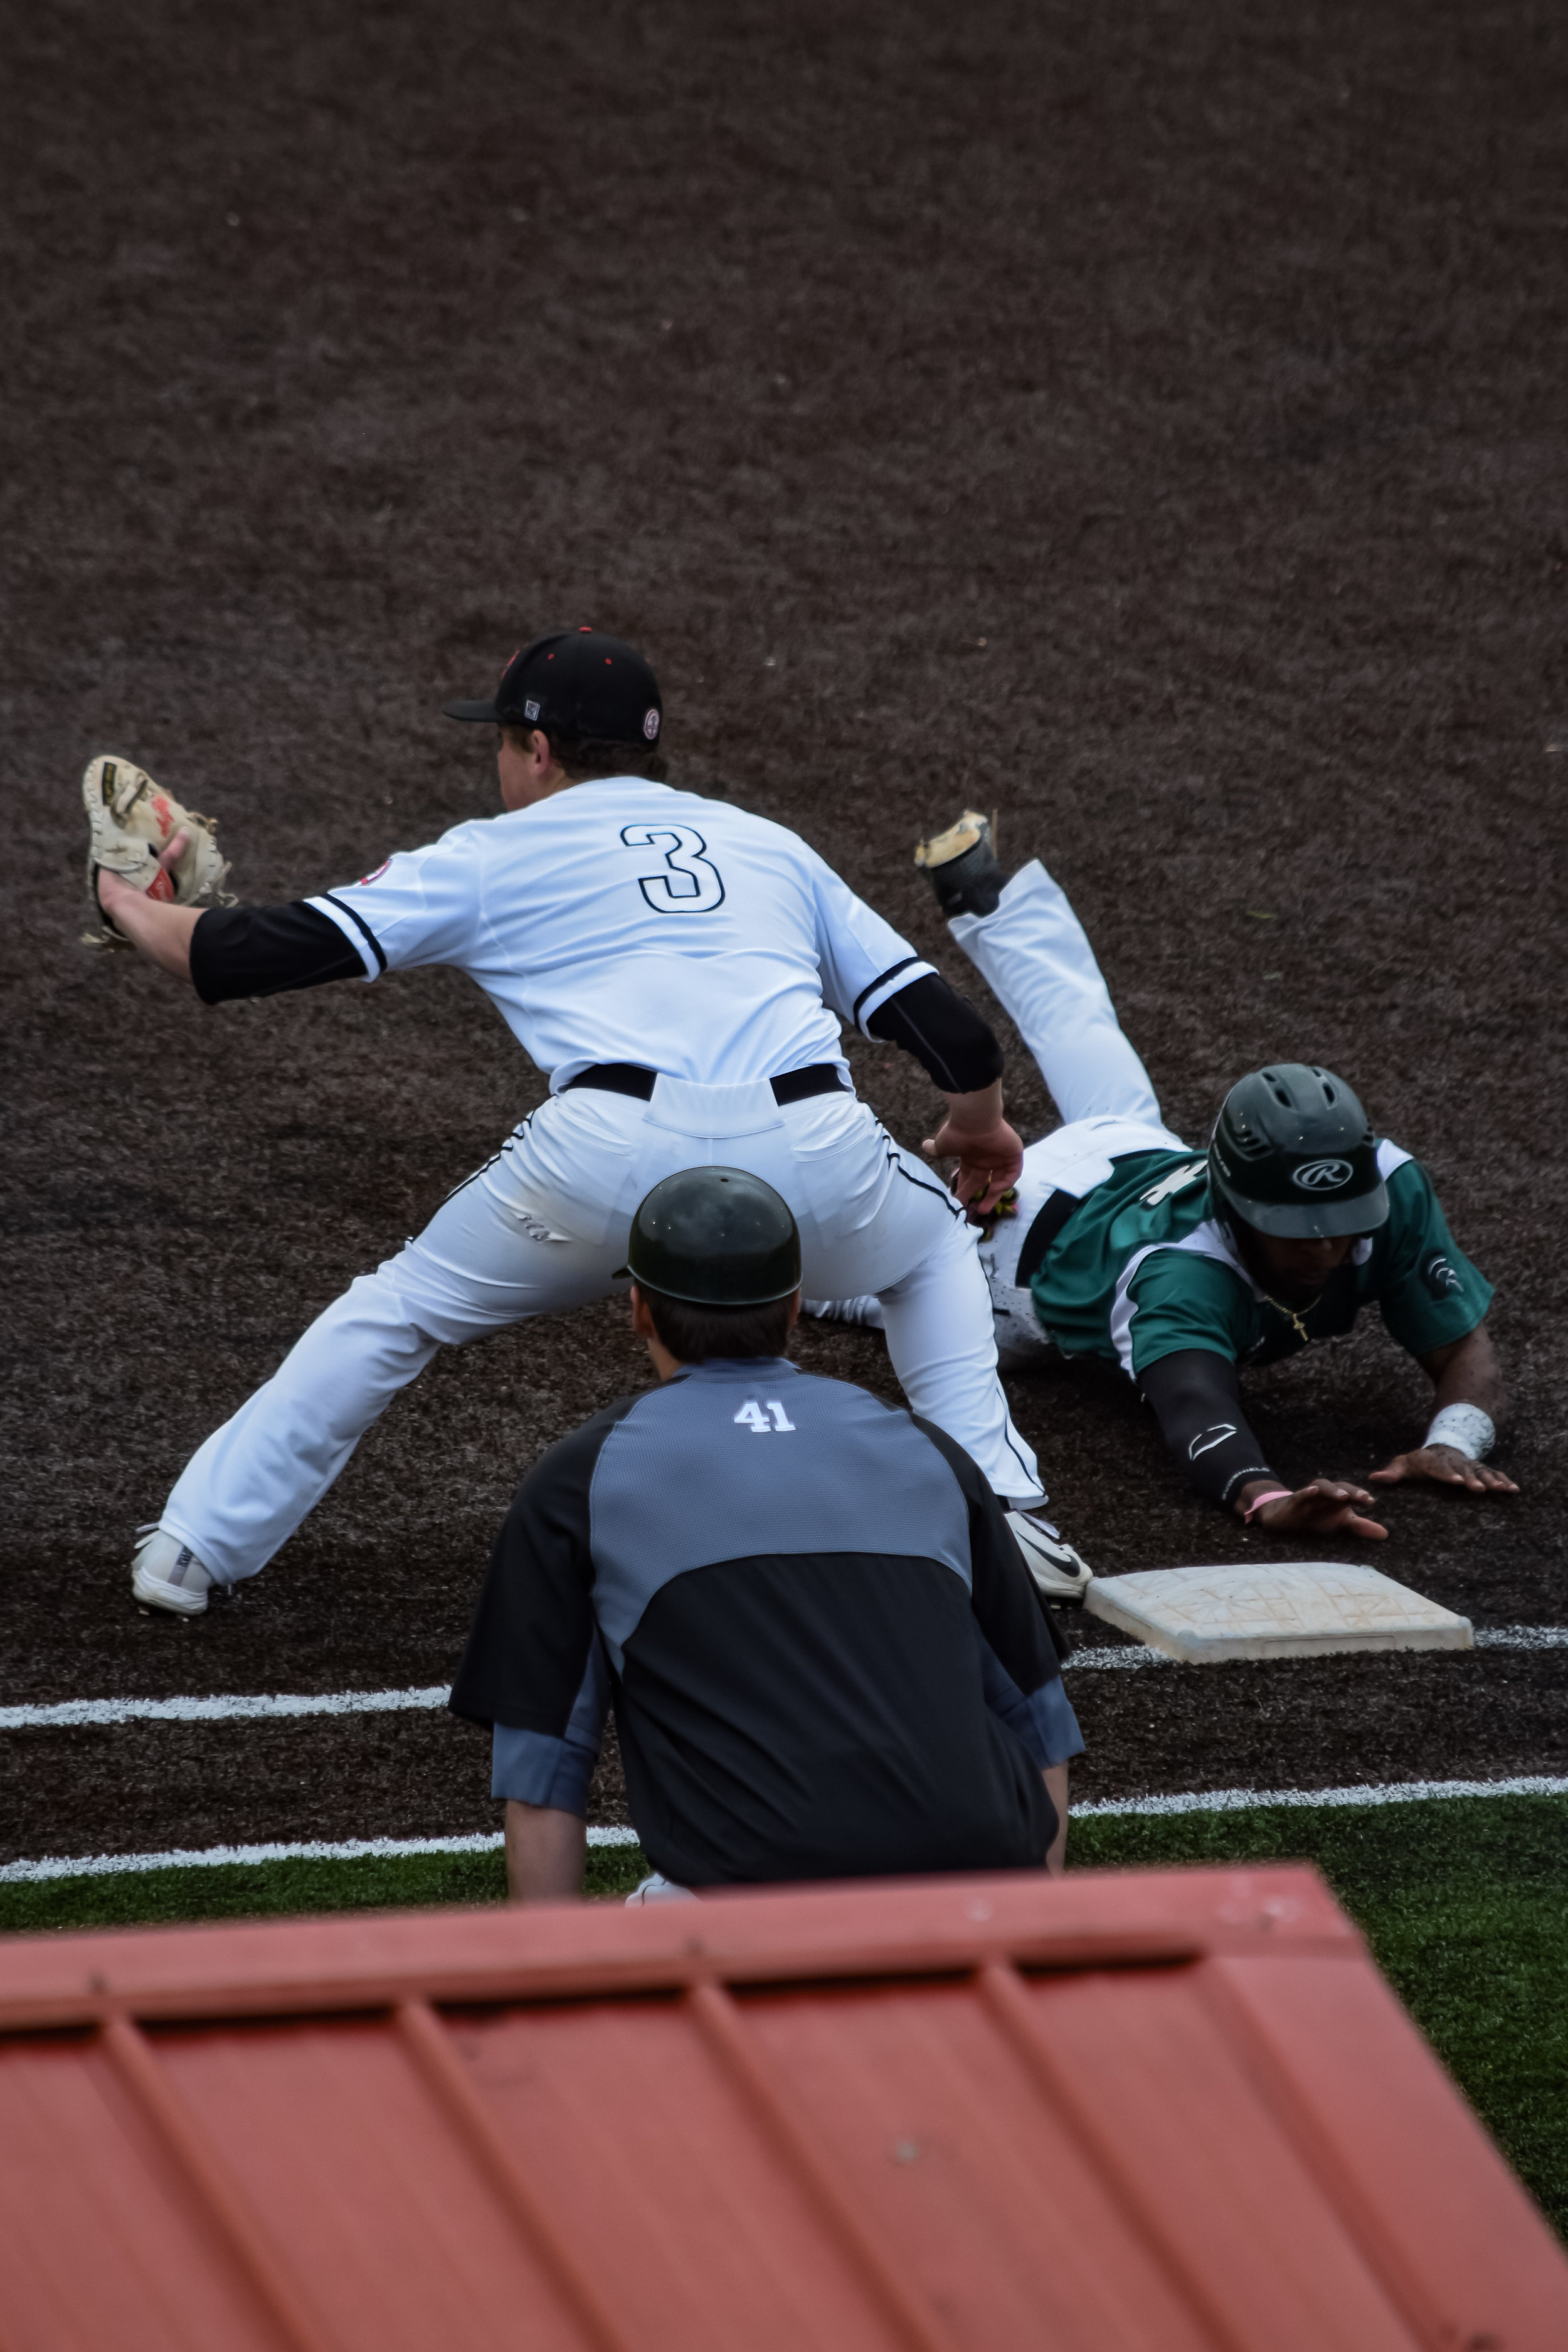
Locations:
(1035, 957)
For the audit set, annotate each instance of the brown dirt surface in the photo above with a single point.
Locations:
(1144, 423)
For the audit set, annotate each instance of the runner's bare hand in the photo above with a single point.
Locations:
(1446, 1467)
(1323, 1506)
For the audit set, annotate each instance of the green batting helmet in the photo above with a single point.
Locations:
(1292, 1154)
(715, 1237)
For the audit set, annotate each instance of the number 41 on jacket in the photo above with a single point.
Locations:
(751, 1416)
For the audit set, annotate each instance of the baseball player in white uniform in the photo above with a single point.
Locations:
(681, 969)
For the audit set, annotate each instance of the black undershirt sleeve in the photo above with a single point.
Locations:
(1196, 1397)
(261, 951)
(942, 1031)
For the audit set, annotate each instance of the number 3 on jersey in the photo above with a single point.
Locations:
(691, 883)
(751, 1416)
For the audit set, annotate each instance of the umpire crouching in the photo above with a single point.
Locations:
(826, 1657)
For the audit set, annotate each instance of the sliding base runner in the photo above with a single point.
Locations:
(1184, 1264)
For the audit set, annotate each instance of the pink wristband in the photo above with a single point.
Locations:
(1275, 1495)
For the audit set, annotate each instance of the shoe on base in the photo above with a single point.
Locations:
(1054, 1564)
(166, 1574)
(961, 866)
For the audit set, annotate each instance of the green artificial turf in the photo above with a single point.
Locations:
(241, 1890)
(1463, 1901)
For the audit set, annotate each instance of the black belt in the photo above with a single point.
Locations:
(631, 1078)
(1059, 1207)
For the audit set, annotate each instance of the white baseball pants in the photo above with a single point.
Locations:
(1035, 955)
(544, 1227)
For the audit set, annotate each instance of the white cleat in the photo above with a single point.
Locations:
(166, 1574)
(1055, 1568)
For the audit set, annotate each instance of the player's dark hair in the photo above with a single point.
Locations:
(582, 756)
(693, 1334)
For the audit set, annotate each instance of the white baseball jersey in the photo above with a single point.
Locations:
(620, 920)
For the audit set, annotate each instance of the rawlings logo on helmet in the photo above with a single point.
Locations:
(1323, 1175)
(650, 725)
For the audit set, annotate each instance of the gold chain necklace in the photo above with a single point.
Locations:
(1290, 1312)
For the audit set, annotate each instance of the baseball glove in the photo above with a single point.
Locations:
(130, 820)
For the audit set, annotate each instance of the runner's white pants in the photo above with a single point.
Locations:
(544, 1227)
(1035, 957)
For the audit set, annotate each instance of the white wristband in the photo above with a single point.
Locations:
(1466, 1428)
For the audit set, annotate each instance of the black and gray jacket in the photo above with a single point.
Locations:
(826, 1657)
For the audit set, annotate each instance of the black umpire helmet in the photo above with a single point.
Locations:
(1293, 1155)
(715, 1237)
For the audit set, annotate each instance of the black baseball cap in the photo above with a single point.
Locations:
(574, 682)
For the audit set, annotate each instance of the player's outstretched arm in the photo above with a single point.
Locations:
(1471, 1398)
(1198, 1400)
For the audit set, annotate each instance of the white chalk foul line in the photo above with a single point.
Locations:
(236, 1707)
(1102, 1655)
(216, 1857)
(1487, 1637)
(1190, 1800)
(1389, 1792)
(228, 1707)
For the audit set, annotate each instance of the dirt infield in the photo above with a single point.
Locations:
(1145, 423)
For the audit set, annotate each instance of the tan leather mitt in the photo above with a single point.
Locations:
(130, 820)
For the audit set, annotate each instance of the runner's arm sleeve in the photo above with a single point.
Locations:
(861, 959)
(942, 1031)
(1428, 1293)
(1197, 1402)
(1021, 1645)
(262, 951)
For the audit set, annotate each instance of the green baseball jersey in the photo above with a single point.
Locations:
(1146, 1268)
